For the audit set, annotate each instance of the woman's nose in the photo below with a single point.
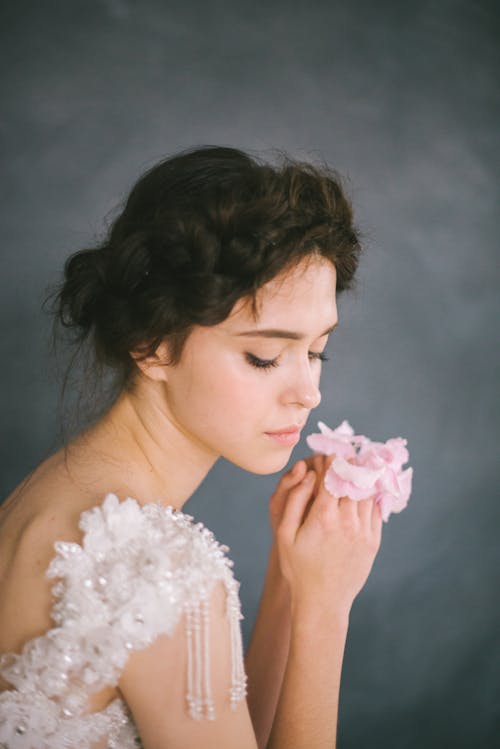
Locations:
(305, 389)
(311, 400)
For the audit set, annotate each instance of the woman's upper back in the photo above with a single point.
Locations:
(126, 574)
(40, 511)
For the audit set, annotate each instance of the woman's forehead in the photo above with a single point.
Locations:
(297, 302)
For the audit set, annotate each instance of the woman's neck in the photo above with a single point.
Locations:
(139, 440)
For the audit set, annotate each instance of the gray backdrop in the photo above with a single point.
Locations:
(401, 98)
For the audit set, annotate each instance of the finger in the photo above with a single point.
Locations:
(348, 510)
(315, 463)
(323, 509)
(309, 461)
(376, 518)
(323, 494)
(295, 505)
(278, 498)
(320, 464)
(288, 480)
(298, 471)
(320, 493)
(365, 510)
(328, 462)
(323, 461)
(318, 459)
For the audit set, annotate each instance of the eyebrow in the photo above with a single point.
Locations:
(283, 333)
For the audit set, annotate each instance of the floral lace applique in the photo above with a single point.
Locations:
(138, 569)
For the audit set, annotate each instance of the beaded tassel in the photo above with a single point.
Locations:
(199, 696)
(194, 685)
(209, 705)
(238, 676)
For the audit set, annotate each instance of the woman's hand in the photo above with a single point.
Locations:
(318, 463)
(326, 546)
(292, 478)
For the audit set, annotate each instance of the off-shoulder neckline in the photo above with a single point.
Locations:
(189, 520)
(156, 503)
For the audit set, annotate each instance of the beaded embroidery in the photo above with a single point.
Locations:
(138, 569)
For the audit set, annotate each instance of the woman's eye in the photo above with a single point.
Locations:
(269, 363)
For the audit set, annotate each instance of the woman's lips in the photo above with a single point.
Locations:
(286, 430)
(285, 438)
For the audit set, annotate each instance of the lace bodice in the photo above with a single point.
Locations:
(138, 568)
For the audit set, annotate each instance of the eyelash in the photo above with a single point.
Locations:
(267, 364)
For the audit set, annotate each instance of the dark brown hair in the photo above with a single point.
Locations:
(199, 231)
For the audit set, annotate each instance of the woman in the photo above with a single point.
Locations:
(211, 300)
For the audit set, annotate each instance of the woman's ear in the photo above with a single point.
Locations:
(155, 366)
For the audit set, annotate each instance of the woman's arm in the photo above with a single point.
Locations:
(307, 711)
(267, 653)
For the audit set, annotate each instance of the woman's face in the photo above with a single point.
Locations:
(222, 400)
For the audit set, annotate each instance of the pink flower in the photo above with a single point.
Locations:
(363, 469)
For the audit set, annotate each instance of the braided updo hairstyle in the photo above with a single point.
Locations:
(199, 231)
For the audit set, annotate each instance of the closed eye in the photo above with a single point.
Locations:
(267, 364)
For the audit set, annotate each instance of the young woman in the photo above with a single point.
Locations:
(211, 300)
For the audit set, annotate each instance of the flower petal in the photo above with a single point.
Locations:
(364, 468)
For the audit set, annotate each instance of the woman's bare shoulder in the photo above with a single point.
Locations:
(40, 511)
(46, 500)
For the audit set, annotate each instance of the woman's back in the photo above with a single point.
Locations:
(34, 516)
(117, 534)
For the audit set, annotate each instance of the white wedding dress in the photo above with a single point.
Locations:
(137, 570)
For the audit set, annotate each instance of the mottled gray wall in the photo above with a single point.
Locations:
(401, 98)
